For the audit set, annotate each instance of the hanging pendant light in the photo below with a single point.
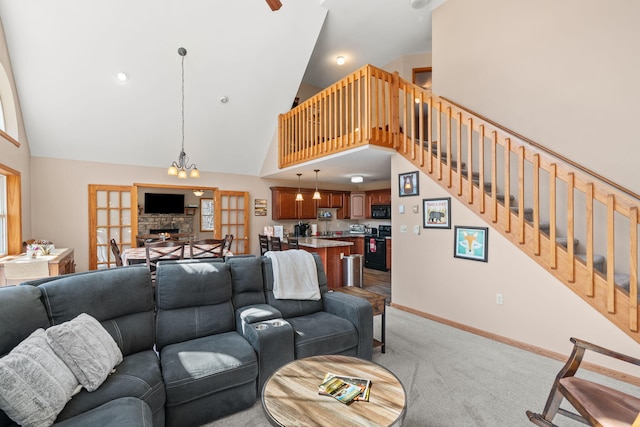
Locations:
(181, 167)
(198, 193)
(316, 194)
(299, 197)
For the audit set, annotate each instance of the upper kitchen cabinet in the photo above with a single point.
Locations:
(358, 205)
(284, 205)
(376, 197)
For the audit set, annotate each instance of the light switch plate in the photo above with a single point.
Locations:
(416, 209)
(416, 229)
(401, 209)
(403, 228)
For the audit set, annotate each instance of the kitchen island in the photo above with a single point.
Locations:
(330, 251)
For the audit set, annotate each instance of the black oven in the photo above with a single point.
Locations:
(381, 211)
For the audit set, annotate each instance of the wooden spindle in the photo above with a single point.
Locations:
(589, 244)
(536, 204)
(570, 227)
(507, 185)
(520, 193)
(633, 268)
(553, 254)
(481, 166)
(470, 160)
(494, 176)
(611, 295)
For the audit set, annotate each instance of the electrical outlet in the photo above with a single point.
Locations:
(499, 299)
(403, 228)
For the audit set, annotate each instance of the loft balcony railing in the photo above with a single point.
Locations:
(579, 226)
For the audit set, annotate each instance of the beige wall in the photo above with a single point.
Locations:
(16, 158)
(538, 310)
(532, 67)
(60, 198)
(562, 73)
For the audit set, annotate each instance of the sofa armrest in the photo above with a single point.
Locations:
(251, 314)
(273, 342)
(359, 312)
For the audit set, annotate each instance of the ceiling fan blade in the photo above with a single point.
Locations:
(274, 4)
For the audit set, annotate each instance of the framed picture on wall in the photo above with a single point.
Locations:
(206, 214)
(408, 184)
(436, 213)
(471, 243)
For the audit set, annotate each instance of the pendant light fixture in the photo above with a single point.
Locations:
(181, 167)
(299, 197)
(198, 193)
(316, 194)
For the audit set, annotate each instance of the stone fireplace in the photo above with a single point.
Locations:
(172, 223)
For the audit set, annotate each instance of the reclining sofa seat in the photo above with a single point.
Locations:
(209, 369)
(122, 300)
(336, 324)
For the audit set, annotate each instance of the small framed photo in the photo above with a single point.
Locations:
(408, 183)
(471, 243)
(436, 213)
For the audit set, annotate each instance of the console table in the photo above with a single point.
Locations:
(59, 262)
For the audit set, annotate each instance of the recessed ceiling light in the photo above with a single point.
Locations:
(122, 76)
(356, 179)
(340, 60)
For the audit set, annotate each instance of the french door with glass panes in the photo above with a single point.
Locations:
(110, 217)
(232, 217)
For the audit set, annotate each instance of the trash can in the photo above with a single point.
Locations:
(352, 270)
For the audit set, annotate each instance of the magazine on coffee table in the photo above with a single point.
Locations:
(341, 390)
(363, 383)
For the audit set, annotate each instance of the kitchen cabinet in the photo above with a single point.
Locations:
(358, 205)
(377, 197)
(358, 244)
(284, 205)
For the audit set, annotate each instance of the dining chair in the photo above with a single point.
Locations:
(228, 240)
(116, 253)
(207, 248)
(143, 239)
(264, 243)
(276, 244)
(293, 243)
(160, 251)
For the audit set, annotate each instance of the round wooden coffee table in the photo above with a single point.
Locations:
(290, 396)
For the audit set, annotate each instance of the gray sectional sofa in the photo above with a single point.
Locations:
(199, 348)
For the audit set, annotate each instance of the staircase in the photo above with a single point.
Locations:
(535, 198)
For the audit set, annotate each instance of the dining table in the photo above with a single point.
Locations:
(138, 255)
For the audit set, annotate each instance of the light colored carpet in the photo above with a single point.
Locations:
(456, 379)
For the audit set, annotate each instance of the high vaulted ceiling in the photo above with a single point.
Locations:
(66, 54)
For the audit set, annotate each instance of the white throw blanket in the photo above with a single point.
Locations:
(294, 275)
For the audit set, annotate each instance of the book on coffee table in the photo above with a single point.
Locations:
(363, 383)
(341, 390)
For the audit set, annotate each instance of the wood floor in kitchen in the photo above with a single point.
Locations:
(378, 281)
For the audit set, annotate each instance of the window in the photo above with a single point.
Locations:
(206, 214)
(3, 216)
(2, 124)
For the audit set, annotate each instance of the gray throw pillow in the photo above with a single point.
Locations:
(35, 384)
(87, 349)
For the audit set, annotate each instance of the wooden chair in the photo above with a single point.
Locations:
(596, 404)
(160, 251)
(228, 240)
(143, 239)
(207, 248)
(264, 243)
(116, 253)
(293, 243)
(276, 244)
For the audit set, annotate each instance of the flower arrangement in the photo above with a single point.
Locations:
(37, 248)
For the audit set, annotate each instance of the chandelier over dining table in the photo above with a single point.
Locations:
(181, 167)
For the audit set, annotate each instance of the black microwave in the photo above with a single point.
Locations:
(381, 211)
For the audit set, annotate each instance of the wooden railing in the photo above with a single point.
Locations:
(549, 202)
(352, 113)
